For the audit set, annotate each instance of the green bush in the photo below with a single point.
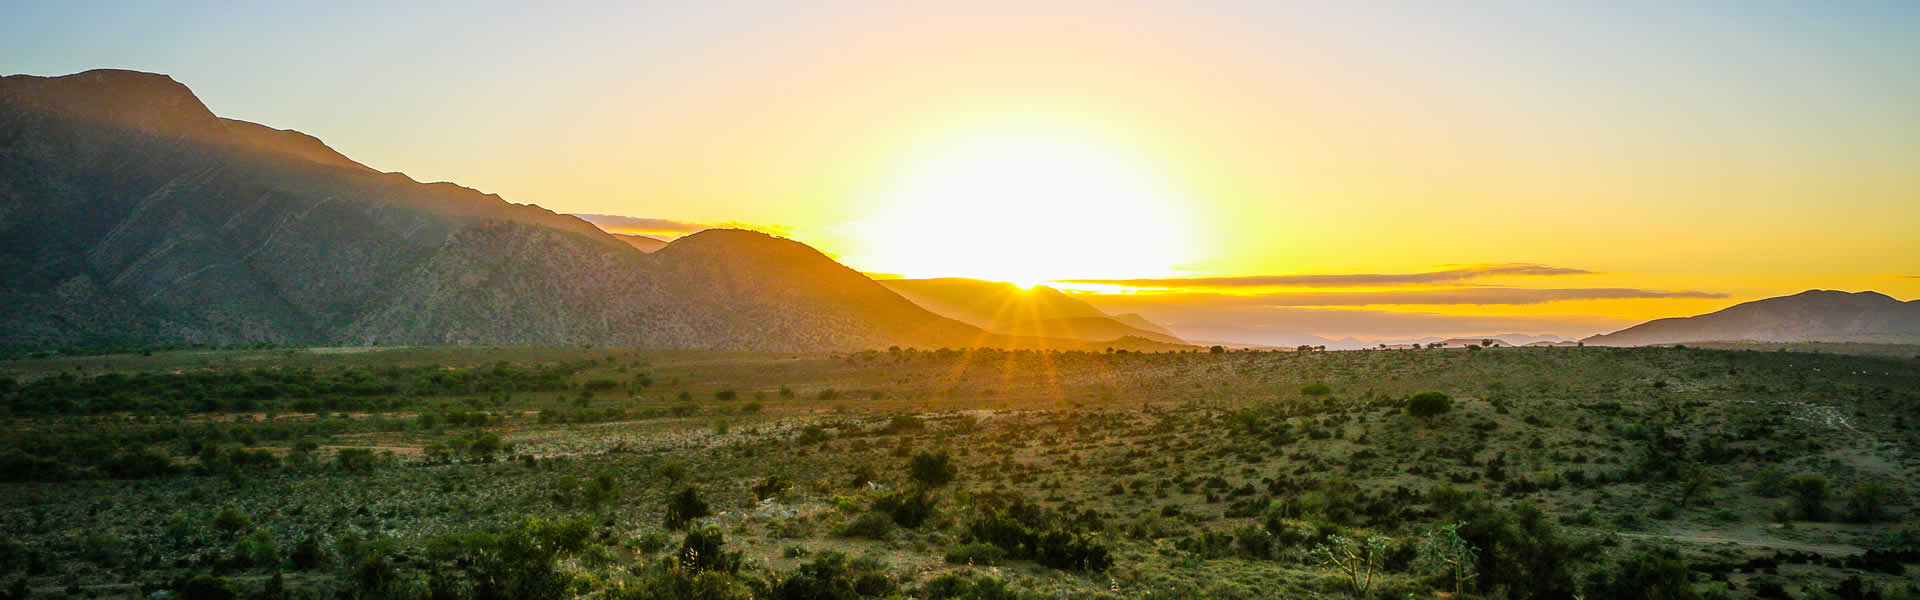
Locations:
(1316, 389)
(772, 486)
(1867, 502)
(907, 509)
(1652, 573)
(872, 525)
(976, 554)
(684, 507)
(933, 469)
(830, 576)
(1809, 497)
(1429, 404)
(230, 520)
(954, 586)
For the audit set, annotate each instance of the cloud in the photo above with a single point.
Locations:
(1455, 275)
(1450, 296)
(625, 224)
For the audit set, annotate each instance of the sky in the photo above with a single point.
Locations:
(1257, 170)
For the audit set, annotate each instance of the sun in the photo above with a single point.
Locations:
(1025, 209)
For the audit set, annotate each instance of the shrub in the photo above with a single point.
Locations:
(860, 476)
(702, 550)
(830, 576)
(354, 459)
(1652, 573)
(1867, 502)
(954, 586)
(307, 555)
(684, 507)
(1316, 389)
(908, 509)
(872, 525)
(1809, 497)
(1429, 404)
(976, 554)
(1770, 483)
(230, 520)
(673, 471)
(772, 486)
(812, 434)
(208, 587)
(932, 469)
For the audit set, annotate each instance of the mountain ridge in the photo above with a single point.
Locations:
(1811, 316)
(1040, 311)
(130, 213)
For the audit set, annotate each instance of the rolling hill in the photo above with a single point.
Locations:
(1810, 316)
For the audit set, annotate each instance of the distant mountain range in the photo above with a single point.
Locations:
(1809, 316)
(129, 213)
(641, 242)
(1037, 312)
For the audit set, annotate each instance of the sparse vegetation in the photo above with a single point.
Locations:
(1163, 473)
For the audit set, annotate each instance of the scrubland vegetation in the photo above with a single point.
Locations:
(533, 473)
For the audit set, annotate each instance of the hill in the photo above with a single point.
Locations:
(1041, 311)
(130, 213)
(640, 242)
(1810, 316)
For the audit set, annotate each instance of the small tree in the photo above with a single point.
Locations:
(230, 521)
(1316, 389)
(1429, 404)
(1218, 350)
(1357, 560)
(1809, 496)
(932, 469)
(684, 507)
(1867, 502)
(672, 470)
(1442, 550)
(1699, 480)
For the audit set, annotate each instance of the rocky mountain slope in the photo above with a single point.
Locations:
(130, 213)
(1810, 316)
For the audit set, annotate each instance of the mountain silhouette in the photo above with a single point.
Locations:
(1810, 316)
(1038, 312)
(130, 213)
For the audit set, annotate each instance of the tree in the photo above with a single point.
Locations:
(1809, 496)
(932, 469)
(1867, 502)
(1429, 404)
(1442, 550)
(1699, 479)
(1357, 560)
(672, 470)
(684, 507)
(1217, 350)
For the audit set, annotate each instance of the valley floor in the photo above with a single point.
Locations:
(513, 472)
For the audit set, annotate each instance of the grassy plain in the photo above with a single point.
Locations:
(380, 472)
